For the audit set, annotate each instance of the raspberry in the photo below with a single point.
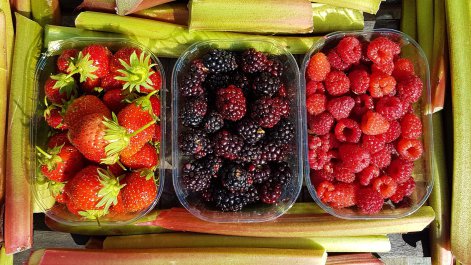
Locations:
(402, 68)
(385, 185)
(324, 190)
(384, 68)
(354, 157)
(317, 159)
(336, 62)
(404, 189)
(266, 112)
(320, 142)
(368, 174)
(321, 175)
(329, 141)
(347, 130)
(315, 104)
(400, 170)
(231, 103)
(193, 111)
(410, 149)
(343, 195)
(381, 84)
(227, 145)
(318, 67)
(270, 192)
(337, 83)
(364, 49)
(340, 107)
(373, 143)
(373, 123)
(409, 89)
(392, 149)
(363, 103)
(359, 81)
(349, 50)
(382, 158)
(321, 124)
(411, 126)
(369, 201)
(313, 87)
(382, 50)
(343, 174)
(265, 84)
(393, 132)
(389, 107)
(253, 61)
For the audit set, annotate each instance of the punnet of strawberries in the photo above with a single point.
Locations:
(102, 153)
(363, 133)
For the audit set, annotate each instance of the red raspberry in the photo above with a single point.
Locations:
(349, 50)
(384, 68)
(393, 132)
(321, 175)
(317, 159)
(347, 130)
(409, 89)
(389, 107)
(313, 87)
(364, 49)
(392, 149)
(332, 140)
(343, 174)
(406, 108)
(382, 158)
(400, 170)
(385, 185)
(340, 107)
(382, 50)
(323, 191)
(410, 149)
(381, 84)
(402, 68)
(343, 195)
(404, 189)
(321, 124)
(337, 83)
(411, 126)
(315, 104)
(368, 174)
(359, 81)
(315, 142)
(336, 62)
(363, 103)
(354, 157)
(318, 67)
(369, 201)
(373, 123)
(373, 143)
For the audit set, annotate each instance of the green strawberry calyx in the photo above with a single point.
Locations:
(110, 189)
(137, 73)
(146, 105)
(65, 83)
(56, 188)
(148, 173)
(93, 214)
(50, 158)
(84, 66)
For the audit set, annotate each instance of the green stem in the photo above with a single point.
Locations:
(44, 153)
(141, 129)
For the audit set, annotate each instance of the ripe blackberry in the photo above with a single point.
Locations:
(195, 176)
(227, 201)
(274, 152)
(213, 122)
(275, 67)
(219, 61)
(282, 173)
(235, 178)
(266, 85)
(259, 173)
(253, 61)
(250, 131)
(213, 164)
(193, 111)
(283, 132)
(251, 154)
(215, 81)
(231, 103)
(192, 84)
(240, 80)
(283, 105)
(208, 194)
(227, 145)
(195, 143)
(270, 192)
(266, 112)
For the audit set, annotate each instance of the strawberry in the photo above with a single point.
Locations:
(55, 118)
(58, 139)
(155, 102)
(59, 88)
(147, 157)
(157, 134)
(57, 191)
(118, 208)
(82, 106)
(109, 82)
(92, 62)
(91, 86)
(123, 54)
(64, 59)
(117, 169)
(60, 163)
(140, 190)
(114, 100)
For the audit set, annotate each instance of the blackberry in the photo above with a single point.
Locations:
(274, 152)
(266, 112)
(215, 81)
(283, 132)
(270, 192)
(227, 145)
(266, 85)
(235, 178)
(231, 103)
(259, 173)
(208, 194)
(195, 143)
(240, 80)
(193, 111)
(228, 201)
(250, 131)
(275, 67)
(219, 61)
(283, 105)
(192, 83)
(281, 173)
(251, 154)
(252, 195)
(253, 61)
(213, 122)
(212, 163)
(195, 176)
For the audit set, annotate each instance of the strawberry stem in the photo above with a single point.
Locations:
(136, 132)
(44, 153)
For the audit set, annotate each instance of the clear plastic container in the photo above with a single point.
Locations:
(39, 131)
(258, 212)
(422, 173)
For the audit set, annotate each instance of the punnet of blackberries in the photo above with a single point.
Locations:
(236, 135)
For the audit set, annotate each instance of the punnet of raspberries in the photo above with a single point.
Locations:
(364, 136)
(236, 135)
(103, 110)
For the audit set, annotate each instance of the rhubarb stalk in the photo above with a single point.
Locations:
(4, 76)
(368, 6)
(46, 11)
(5, 259)
(22, 6)
(10, 35)
(425, 26)
(328, 18)
(100, 5)
(126, 7)
(439, 62)
(409, 18)
(353, 259)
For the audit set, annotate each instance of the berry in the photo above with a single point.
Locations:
(321, 124)
(313, 87)
(373, 123)
(59, 88)
(283, 105)
(227, 145)
(337, 83)
(213, 82)
(231, 103)
(212, 163)
(61, 162)
(400, 170)
(235, 178)
(347, 130)
(318, 176)
(251, 154)
(369, 201)
(354, 157)
(382, 158)
(266, 85)
(318, 67)
(363, 103)
(114, 100)
(368, 174)
(281, 173)
(324, 189)
(57, 140)
(385, 185)
(384, 68)
(147, 157)
(219, 61)
(282, 91)
(364, 52)
(253, 61)
(359, 81)
(227, 201)
(343, 195)
(193, 111)
(195, 143)
(63, 61)
(336, 62)
(411, 126)
(283, 132)
(382, 50)
(54, 118)
(343, 174)
(317, 158)
(403, 68)
(250, 131)
(240, 80)
(259, 174)
(349, 50)
(315, 104)
(409, 89)
(389, 107)
(266, 112)
(404, 189)
(340, 107)
(108, 82)
(373, 143)
(410, 149)
(270, 192)
(195, 176)
(192, 83)
(275, 67)
(393, 132)
(273, 151)
(91, 86)
(381, 84)
(83, 106)
(213, 122)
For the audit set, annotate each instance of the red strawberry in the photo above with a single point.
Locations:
(155, 102)
(82, 106)
(109, 82)
(116, 169)
(118, 208)
(147, 157)
(114, 100)
(54, 118)
(60, 163)
(91, 86)
(57, 191)
(58, 139)
(93, 62)
(122, 54)
(64, 60)
(59, 88)
(140, 191)
(157, 135)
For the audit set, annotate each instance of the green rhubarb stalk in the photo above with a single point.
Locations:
(353, 259)
(126, 7)
(176, 13)
(22, 6)
(329, 18)
(190, 240)
(5, 259)
(368, 6)
(46, 11)
(438, 66)
(180, 256)
(259, 16)
(425, 26)
(458, 15)
(18, 203)
(409, 18)
(10, 34)
(179, 36)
